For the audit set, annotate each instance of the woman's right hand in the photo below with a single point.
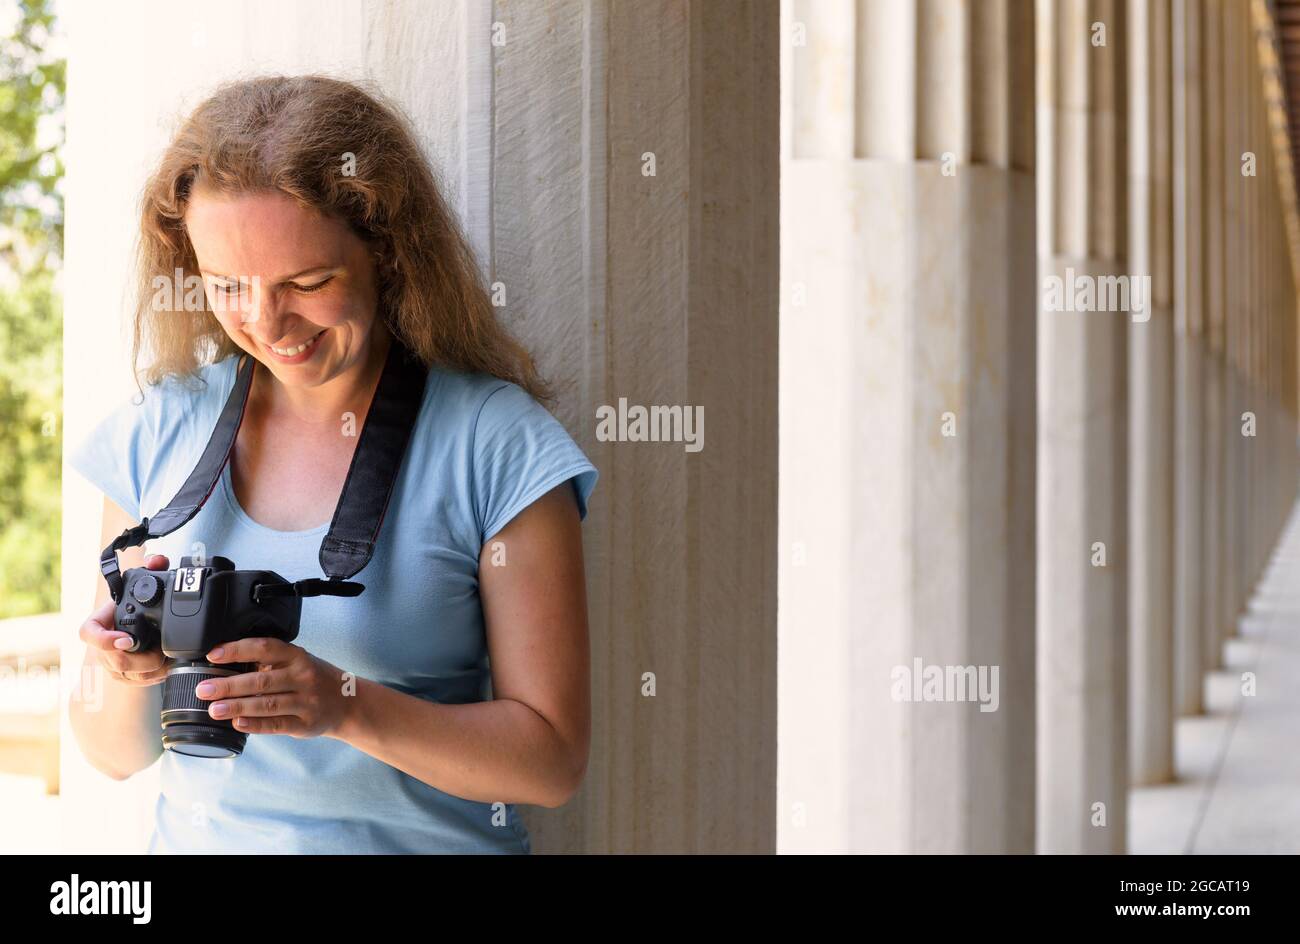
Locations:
(137, 669)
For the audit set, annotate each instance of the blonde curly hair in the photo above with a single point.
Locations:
(290, 134)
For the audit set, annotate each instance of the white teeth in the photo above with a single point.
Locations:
(291, 351)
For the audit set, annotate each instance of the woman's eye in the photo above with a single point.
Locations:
(312, 288)
(227, 288)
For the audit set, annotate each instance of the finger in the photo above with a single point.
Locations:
(256, 706)
(99, 631)
(150, 677)
(156, 562)
(259, 649)
(137, 662)
(249, 683)
(145, 678)
(285, 724)
(106, 614)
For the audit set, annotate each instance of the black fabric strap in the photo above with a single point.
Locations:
(354, 530)
(373, 473)
(108, 564)
(311, 587)
(204, 478)
(187, 502)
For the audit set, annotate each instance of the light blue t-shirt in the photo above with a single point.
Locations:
(482, 450)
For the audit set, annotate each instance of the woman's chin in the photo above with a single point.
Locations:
(299, 375)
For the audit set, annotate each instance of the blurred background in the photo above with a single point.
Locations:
(32, 71)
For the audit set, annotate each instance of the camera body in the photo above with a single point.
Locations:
(199, 605)
(187, 612)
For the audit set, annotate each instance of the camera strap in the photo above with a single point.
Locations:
(363, 501)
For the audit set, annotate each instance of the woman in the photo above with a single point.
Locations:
(315, 226)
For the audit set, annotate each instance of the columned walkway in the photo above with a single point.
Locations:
(1238, 764)
(1080, 492)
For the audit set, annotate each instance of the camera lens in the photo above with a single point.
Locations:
(187, 726)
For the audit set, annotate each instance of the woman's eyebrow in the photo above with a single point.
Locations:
(287, 278)
(298, 275)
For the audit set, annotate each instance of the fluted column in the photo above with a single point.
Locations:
(1246, 445)
(1236, 257)
(1269, 341)
(1151, 377)
(628, 164)
(907, 379)
(1188, 405)
(1083, 433)
(1215, 162)
(1259, 145)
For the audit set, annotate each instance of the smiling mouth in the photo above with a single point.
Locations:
(297, 348)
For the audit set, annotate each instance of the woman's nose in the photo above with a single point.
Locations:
(264, 316)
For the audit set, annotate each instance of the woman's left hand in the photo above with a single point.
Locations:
(292, 692)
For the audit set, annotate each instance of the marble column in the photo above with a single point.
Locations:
(1214, 161)
(1235, 89)
(1253, 400)
(1083, 546)
(908, 396)
(1188, 404)
(1151, 439)
(1259, 145)
(630, 187)
(1246, 185)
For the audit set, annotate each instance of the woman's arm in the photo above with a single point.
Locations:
(117, 723)
(528, 745)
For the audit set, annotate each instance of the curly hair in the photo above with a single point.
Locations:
(296, 135)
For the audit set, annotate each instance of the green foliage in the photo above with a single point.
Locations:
(32, 87)
(31, 319)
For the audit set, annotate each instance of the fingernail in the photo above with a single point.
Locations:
(123, 642)
(204, 689)
(219, 710)
(215, 653)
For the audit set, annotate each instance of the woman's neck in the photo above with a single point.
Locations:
(350, 392)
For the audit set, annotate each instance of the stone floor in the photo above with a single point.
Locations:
(1238, 789)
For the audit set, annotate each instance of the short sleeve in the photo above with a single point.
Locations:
(520, 453)
(111, 456)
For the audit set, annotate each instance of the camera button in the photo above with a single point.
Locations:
(147, 589)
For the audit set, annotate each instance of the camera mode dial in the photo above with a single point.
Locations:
(147, 589)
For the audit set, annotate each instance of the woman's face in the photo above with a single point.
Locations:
(292, 287)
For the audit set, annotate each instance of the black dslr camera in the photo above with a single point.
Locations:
(190, 611)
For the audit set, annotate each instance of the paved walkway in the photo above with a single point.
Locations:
(1239, 764)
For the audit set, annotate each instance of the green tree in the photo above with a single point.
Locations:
(32, 84)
